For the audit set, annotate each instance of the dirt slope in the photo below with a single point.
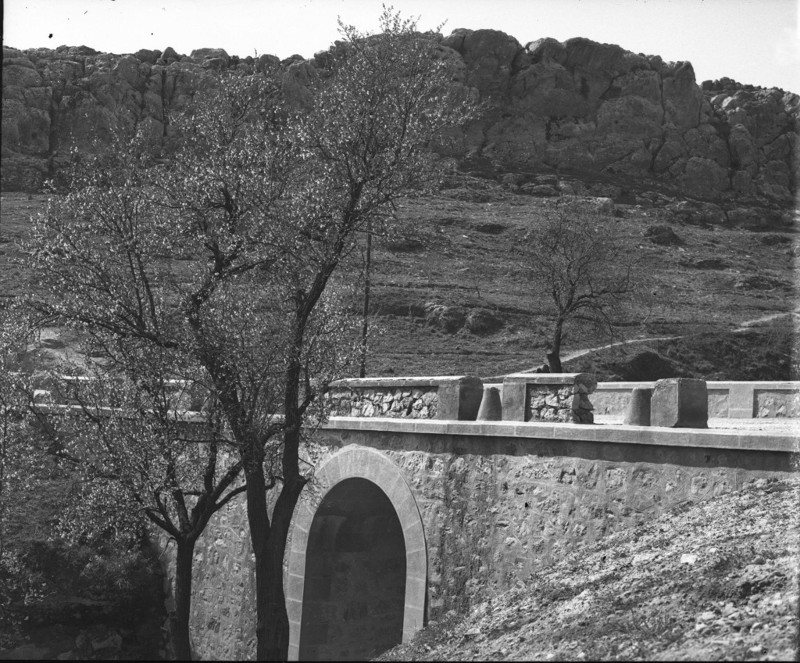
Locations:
(718, 581)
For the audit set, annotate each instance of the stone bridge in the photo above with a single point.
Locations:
(417, 510)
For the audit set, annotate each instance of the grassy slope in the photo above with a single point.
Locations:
(469, 235)
(457, 250)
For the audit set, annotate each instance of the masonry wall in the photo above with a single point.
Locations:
(223, 620)
(495, 507)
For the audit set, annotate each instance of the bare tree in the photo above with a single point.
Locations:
(581, 263)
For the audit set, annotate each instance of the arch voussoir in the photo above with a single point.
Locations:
(369, 464)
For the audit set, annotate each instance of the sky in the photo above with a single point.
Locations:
(751, 41)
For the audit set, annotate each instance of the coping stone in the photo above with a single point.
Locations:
(764, 440)
(552, 378)
(411, 381)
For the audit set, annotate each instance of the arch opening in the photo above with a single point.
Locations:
(355, 575)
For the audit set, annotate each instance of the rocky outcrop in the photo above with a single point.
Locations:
(577, 107)
(595, 108)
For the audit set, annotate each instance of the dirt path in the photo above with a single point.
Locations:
(742, 327)
(586, 351)
(773, 316)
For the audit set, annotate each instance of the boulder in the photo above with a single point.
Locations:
(147, 56)
(267, 62)
(169, 56)
(662, 235)
(215, 54)
(488, 56)
(482, 322)
(447, 318)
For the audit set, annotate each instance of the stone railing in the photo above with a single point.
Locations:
(758, 399)
(442, 397)
(554, 397)
(184, 396)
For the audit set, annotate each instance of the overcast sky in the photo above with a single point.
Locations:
(752, 41)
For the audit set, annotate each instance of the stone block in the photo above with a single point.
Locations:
(679, 403)
(417, 564)
(514, 399)
(638, 412)
(459, 398)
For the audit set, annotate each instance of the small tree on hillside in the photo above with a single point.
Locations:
(584, 267)
(268, 204)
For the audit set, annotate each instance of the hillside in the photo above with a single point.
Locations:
(715, 582)
(461, 265)
(450, 297)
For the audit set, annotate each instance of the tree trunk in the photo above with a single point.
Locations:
(183, 600)
(258, 521)
(276, 646)
(554, 356)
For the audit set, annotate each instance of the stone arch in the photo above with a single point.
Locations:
(355, 462)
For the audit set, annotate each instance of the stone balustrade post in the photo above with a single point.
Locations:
(553, 397)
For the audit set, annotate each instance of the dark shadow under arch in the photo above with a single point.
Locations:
(355, 576)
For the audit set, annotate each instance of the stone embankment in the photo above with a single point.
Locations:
(633, 125)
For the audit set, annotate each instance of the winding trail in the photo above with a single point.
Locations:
(742, 327)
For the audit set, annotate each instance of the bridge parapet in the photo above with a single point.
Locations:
(185, 396)
(552, 397)
(731, 399)
(438, 397)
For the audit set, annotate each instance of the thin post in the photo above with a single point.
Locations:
(365, 321)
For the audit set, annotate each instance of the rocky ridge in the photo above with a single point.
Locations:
(556, 112)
